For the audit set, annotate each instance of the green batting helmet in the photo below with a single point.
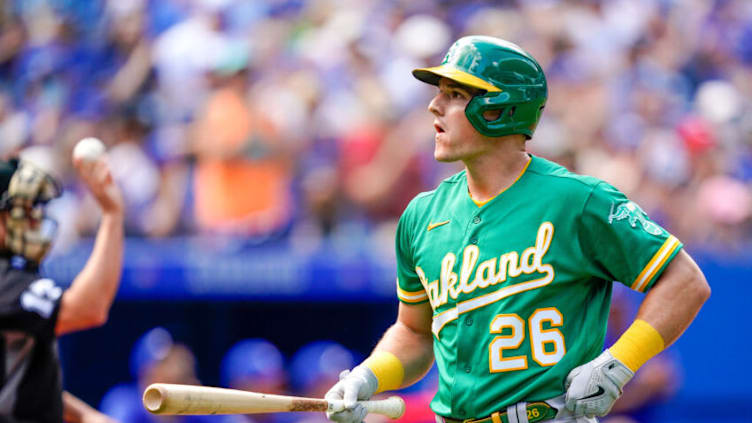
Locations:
(511, 80)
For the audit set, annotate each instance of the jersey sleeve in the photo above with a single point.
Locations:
(410, 290)
(620, 242)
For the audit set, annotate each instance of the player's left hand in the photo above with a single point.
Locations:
(593, 387)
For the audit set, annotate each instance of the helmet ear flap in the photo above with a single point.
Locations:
(494, 101)
(515, 117)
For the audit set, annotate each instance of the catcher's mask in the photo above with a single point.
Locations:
(511, 81)
(26, 189)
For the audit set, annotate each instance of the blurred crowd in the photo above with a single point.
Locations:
(300, 120)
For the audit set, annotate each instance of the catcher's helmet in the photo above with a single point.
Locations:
(511, 80)
(25, 189)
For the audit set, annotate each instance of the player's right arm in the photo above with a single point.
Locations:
(403, 355)
(87, 302)
(405, 352)
(410, 340)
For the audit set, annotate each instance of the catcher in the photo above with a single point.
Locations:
(35, 310)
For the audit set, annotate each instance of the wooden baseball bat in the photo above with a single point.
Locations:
(170, 399)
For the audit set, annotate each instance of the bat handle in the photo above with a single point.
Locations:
(392, 407)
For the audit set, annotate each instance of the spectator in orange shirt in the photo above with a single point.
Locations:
(242, 178)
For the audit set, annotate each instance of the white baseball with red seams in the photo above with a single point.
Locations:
(88, 149)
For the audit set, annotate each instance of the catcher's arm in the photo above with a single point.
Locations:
(77, 411)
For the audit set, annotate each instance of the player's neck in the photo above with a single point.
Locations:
(495, 171)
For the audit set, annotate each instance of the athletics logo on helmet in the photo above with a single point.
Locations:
(511, 80)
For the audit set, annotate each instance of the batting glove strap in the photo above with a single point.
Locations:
(594, 387)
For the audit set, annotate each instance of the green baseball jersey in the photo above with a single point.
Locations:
(521, 286)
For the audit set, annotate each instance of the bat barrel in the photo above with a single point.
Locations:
(169, 399)
(154, 398)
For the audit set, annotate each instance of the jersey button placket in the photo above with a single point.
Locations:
(477, 219)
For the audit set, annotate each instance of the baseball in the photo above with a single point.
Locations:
(88, 149)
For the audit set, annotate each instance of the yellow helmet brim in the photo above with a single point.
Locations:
(432, 76)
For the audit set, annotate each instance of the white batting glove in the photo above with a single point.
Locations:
(353, 386)
(593, 387)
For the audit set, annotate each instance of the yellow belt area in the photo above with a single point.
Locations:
(536, 412)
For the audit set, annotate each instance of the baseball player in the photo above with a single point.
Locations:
(505, 270)
(34, 310)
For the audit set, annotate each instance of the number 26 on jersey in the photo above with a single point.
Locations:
(546, 345)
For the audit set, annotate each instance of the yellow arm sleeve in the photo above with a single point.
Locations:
(388, 370)
(637, 345)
